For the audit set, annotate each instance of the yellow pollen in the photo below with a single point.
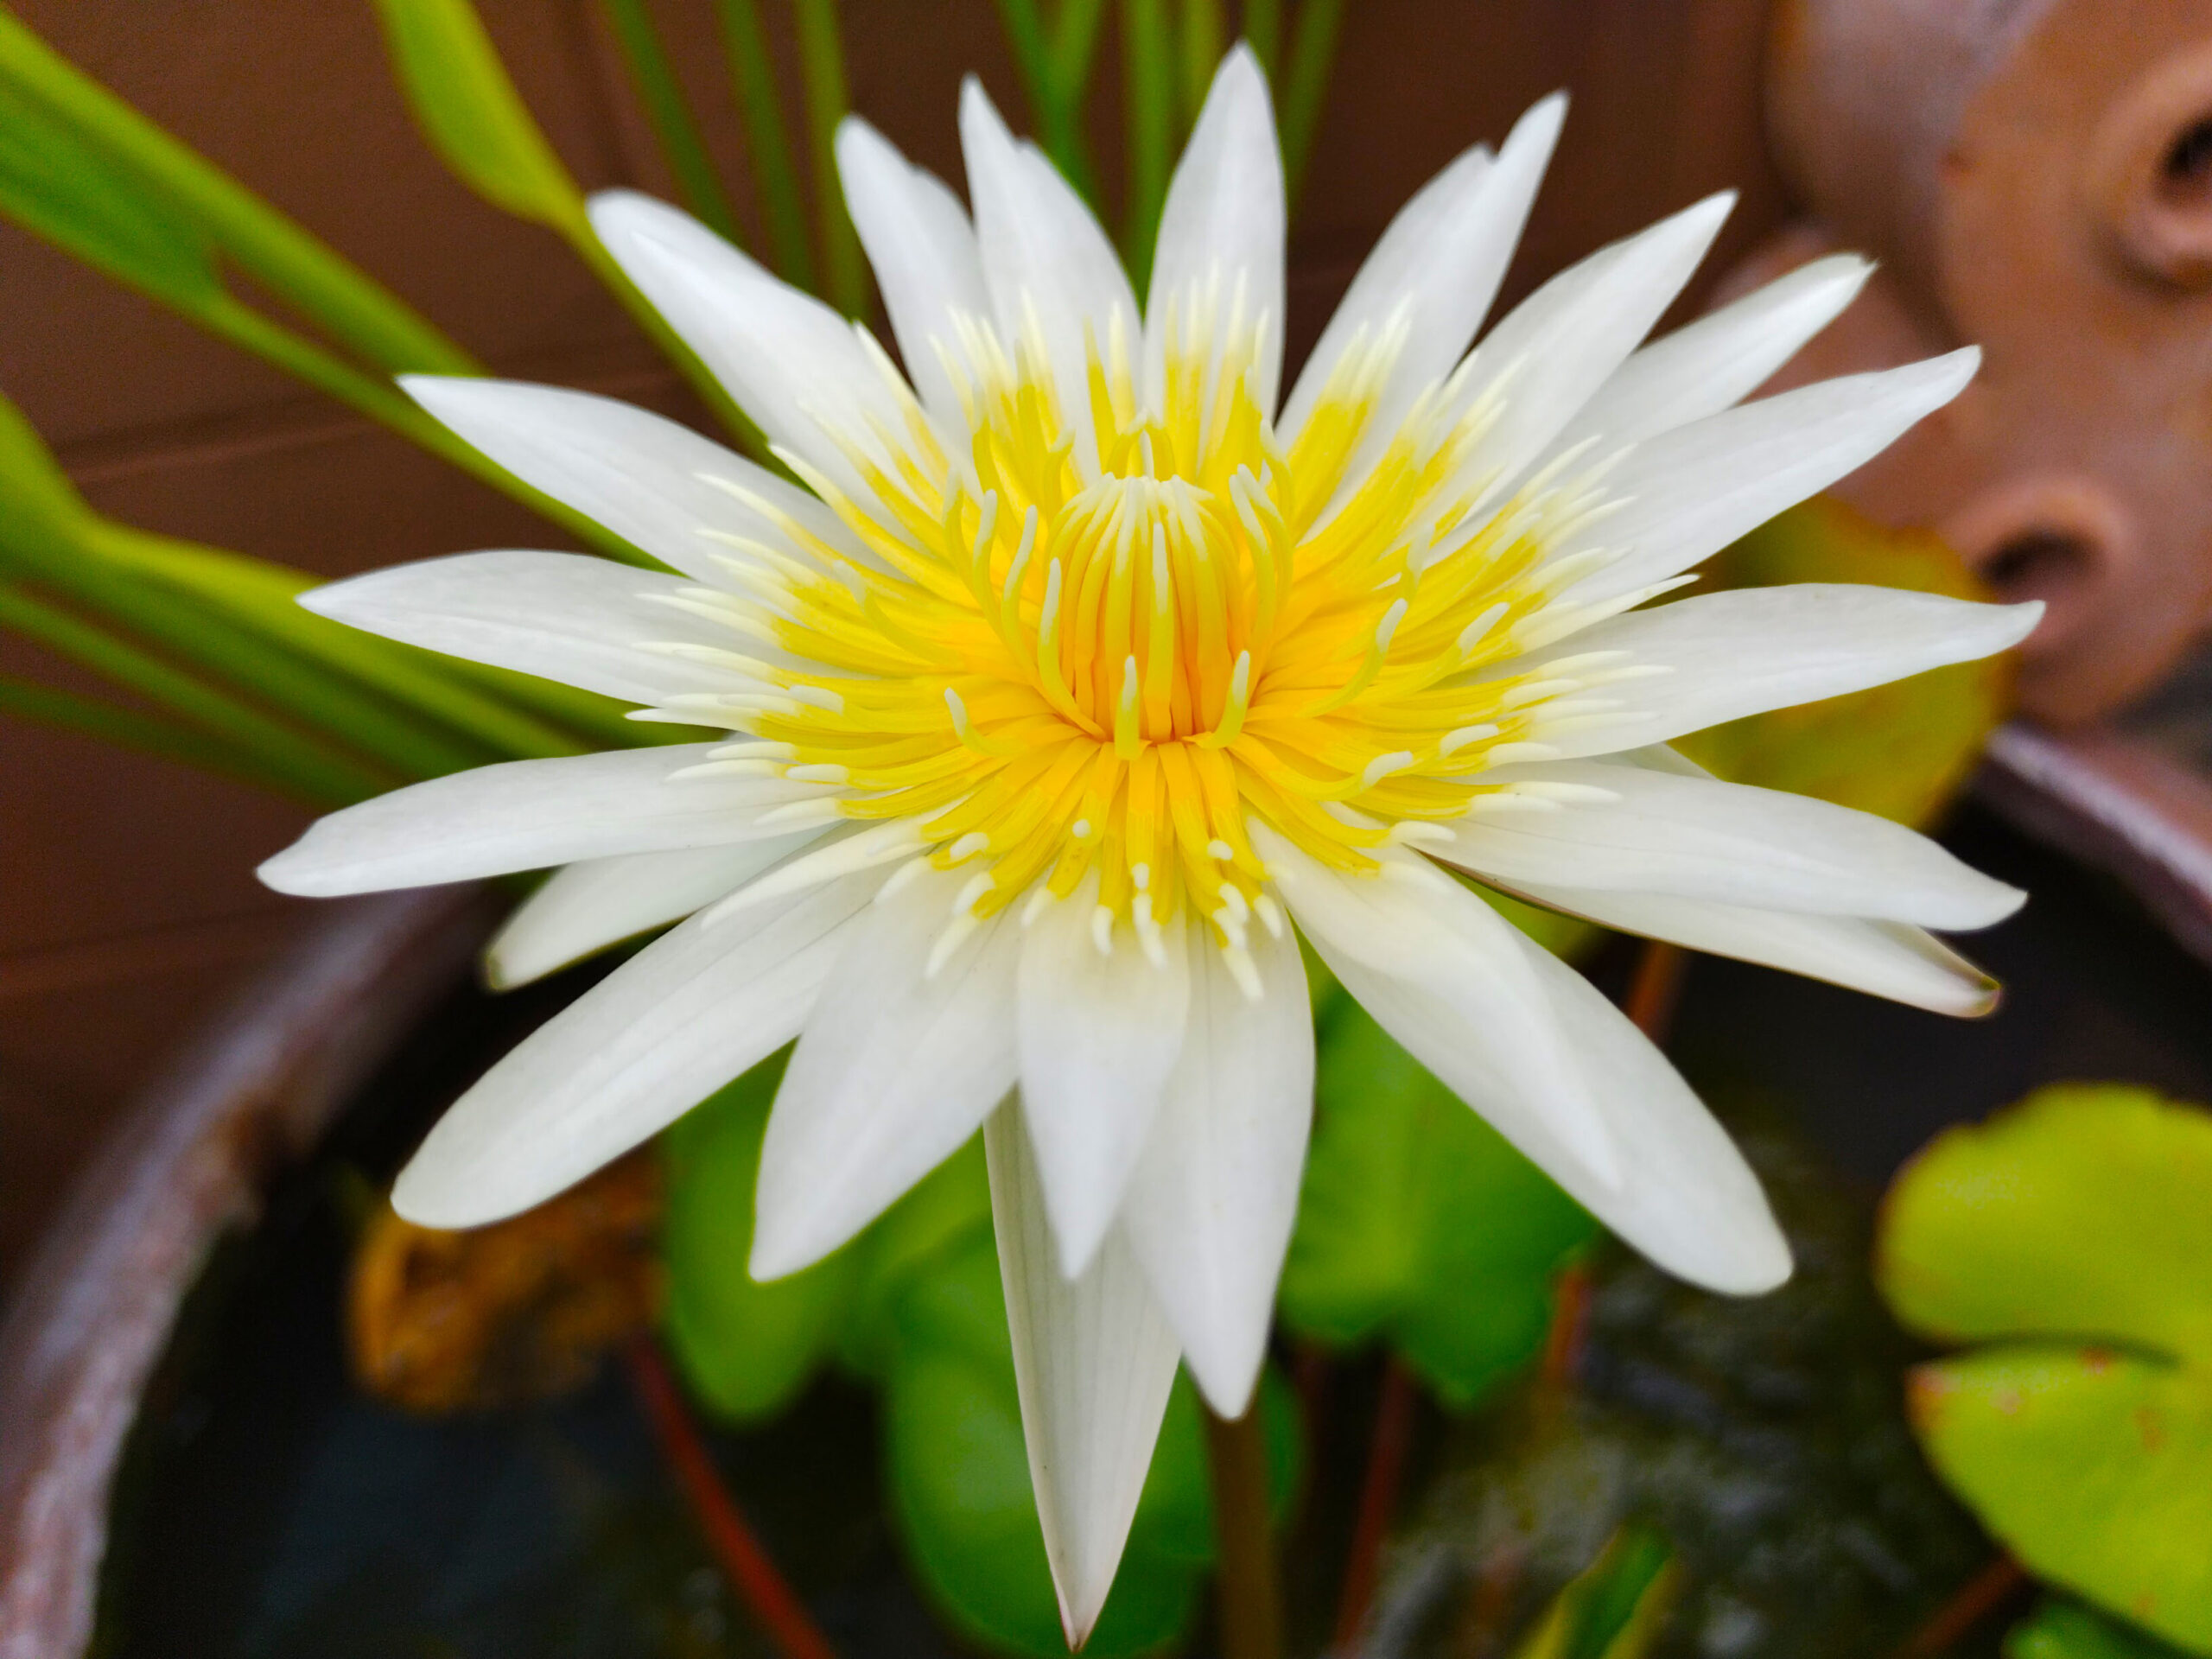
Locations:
(1078, 657)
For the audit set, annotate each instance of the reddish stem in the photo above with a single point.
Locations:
(750, 1571)
(1378, 1501)
(1656, 987)
(1562, 1359)
(1970, 1604)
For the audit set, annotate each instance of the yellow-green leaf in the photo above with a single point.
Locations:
(468, 107)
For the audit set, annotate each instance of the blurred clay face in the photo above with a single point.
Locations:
(2049, 195)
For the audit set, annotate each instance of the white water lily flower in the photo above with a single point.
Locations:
(1081, 670)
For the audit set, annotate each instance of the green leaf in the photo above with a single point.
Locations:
(944, 1216)
(747, 1348)
(1903, 750)
(2077, 1225)
(2084, 1211)
(1613, 1609)
(1418, 1223)
(2095, 1467)
(2060, 1628)
(72, 193)
(470, 110)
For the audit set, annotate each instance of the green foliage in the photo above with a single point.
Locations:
(1902, 750)
(2063, 1629)
(2074, 1232)
(1418, 1223)
(747, 1347)
(1614, 1608)
(469, 110)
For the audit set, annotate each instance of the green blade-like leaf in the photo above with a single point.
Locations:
(1902, 750)
(670, 113)
(2085, 1213)
(131, 728)
(1305, 86)
(1198, 47)
(1149, 87)
(71, 193)
(2095, 1468)
(821, 65)
(752, 83)
(747, 1348)
(469, 109)
(1418, 1223)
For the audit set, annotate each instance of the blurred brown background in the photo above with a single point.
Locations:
(128, 908)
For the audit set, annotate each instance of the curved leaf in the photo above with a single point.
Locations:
(1417, 1222)
(2095, 1467)
(747, 1348)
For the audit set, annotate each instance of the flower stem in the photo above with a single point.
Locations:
(1378, 1501)
(1973, 1601)
(1656, 987)
(1247, 1592)
(752, 1573)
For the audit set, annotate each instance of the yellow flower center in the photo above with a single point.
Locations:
(1094, 649)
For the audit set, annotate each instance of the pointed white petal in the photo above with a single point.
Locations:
(1210, 1210)
(628, 1057)
(790, 362)
(584, 621)
(1559, 346)
(1690, 1202)
(528, 815)
(1097, 1036)
(1436, 270)
(923, 251)
(645, 478)
(1690, 492)
(1714, 363)
(1044, 255)
(1881, 958)
(1742, 652)
(584, 907)
(1626, 829)
(1462, 998)
(1093, 1363)
(895, 1069)
(1223, 220)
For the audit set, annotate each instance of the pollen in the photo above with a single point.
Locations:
(1086, 640)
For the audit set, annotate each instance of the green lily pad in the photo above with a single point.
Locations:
(747, 1348)
(1902, 750)
(2076, 1228)
(1418, 1223)
(2060, 1628)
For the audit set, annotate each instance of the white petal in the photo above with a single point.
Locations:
(1093, 1363)
(1224, 219)
(1210, 1210)
(647, 478)
(1436, 270)
(584, 907)
(1097, 1036)
(790, 362)
(584, 621)
(1742, 652)
(1730, 843)
(628, 1057)
(895, 1069)
(1881, 958)
(923, 251)
(1044, 255)
(1461, 997)
(528, 815)
(1690, 492)
(1559, 346)
(1691, 1203)
(1714, 363)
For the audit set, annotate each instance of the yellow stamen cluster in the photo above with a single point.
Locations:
(1089, 649)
